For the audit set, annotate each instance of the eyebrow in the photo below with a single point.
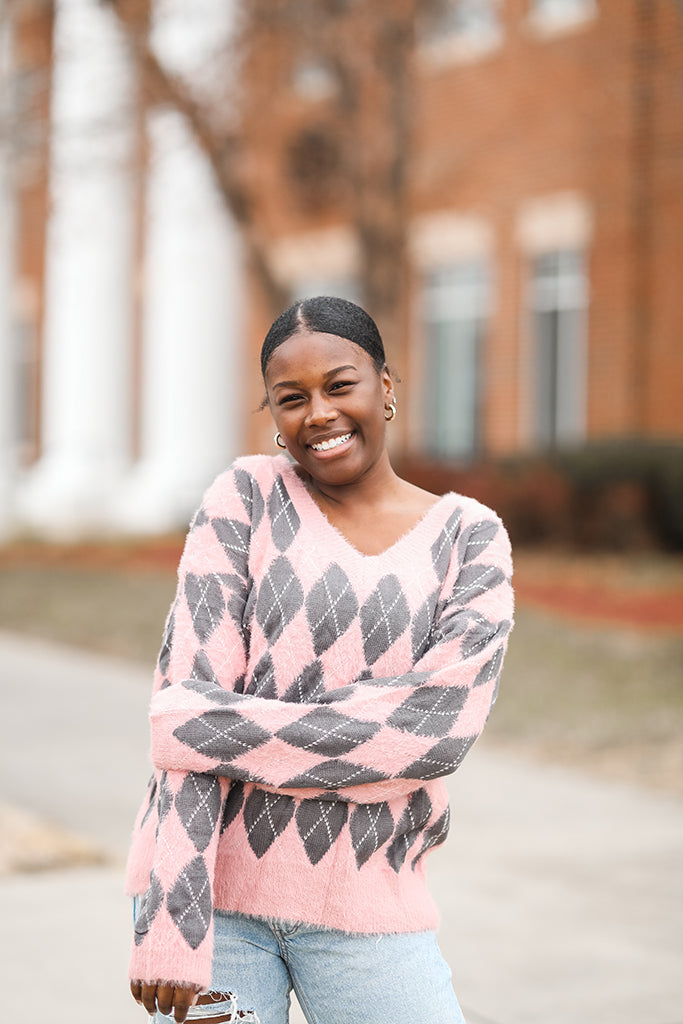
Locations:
(330, 373)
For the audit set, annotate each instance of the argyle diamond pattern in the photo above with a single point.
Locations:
(284, 518)
(324, 731)
(374, 689)
(384, 616)
(250, 493)
(411, 823)
(262, 683)
(266, 816)
(234, 536)
(222, 735)
(371, 826)
(280, 597)
(233, 805)
(198, 803)
(189, 902)
(150, 905)
(205, 601)
(319, 823)
(331, 607)
(429, 710)
(308, 686)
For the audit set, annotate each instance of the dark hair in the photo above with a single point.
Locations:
(326, 314)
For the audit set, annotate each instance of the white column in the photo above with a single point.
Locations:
(7, 249)
(89, 286)
(192, 334)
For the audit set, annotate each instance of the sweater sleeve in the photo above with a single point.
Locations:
(174, 927)
(377, 732)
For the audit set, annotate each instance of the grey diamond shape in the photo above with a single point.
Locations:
(441, 759)
(198, 803)
(412, 821)
(250, 493)
(199, 519)
(335, 774)
(476, 579)
(319, 823)
(238, 597)
(331, 607)
(307, 686)
(324, 731)
(475, 538)
(279, 599)
(429, 710)
(164, 799)
(262, 682)
(189, 902)
(384, 617)
(371, 826)
(443, 545)
(233, 804)
(266, 816)
(491, 669)
(151, 799)
(205, 601)
(481, 633)
(434, 835)
(149, 907)
(284, 519)
(167, 641)
(222, 735)
(210, 688)
(234, 535)
(423, 624)
(202, 670)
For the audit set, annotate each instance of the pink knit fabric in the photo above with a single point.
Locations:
(307, 701)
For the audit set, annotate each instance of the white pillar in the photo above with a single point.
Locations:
(192, 334)
(89, 283)
(8, 440)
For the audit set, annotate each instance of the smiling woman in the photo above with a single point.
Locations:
(333, 651)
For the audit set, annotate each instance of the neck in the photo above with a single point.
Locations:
(377, 485)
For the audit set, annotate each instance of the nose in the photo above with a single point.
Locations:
(320, 411)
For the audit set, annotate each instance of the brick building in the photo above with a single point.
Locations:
(541, 303)
(545, 223)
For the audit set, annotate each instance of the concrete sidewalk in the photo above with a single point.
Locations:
(561, 895)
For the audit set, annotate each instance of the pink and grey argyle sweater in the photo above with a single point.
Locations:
(308, 700)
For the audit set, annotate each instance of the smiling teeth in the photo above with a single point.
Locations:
(334, 442)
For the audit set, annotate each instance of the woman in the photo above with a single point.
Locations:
(333, 650)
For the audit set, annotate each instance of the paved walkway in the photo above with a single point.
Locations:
(562, 896)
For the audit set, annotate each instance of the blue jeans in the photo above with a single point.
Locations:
(338, 978)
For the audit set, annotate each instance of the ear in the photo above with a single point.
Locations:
(387, 385)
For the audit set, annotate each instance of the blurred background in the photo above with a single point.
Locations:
(499, 182)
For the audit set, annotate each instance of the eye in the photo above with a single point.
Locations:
(289, 399)
(340, 384)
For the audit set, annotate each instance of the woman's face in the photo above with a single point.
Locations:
(328, 402)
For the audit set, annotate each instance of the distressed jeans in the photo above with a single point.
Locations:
(338, 978)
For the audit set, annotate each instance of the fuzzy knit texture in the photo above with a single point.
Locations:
(308, 700)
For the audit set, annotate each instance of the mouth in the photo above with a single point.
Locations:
(331, 443)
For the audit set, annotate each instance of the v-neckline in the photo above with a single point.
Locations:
(307, 499)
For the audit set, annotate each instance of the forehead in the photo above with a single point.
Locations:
(310, 353)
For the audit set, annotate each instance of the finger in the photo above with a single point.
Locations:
(136, 991)
(183, 1000)
(165, 999)
(149, 998)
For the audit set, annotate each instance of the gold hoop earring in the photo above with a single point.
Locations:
(278, 440)
(391, 409)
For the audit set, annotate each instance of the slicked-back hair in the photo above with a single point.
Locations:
(326, 314)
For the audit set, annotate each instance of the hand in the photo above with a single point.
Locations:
(164, 998)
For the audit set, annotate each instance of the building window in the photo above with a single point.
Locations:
(456, 307)
(458, 30)
(558, 304)
(557, 15)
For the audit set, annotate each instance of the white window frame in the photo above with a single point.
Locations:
(466, 43)
(555, 17)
